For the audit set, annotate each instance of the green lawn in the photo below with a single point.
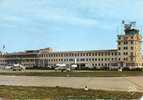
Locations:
(16, 92)
(78, 74)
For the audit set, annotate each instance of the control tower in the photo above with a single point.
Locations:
(129, 46)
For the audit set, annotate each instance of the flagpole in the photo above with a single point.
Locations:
(3, 53)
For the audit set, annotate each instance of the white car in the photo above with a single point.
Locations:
(18, 67)
(8, 67)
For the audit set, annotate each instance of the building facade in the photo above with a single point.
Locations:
(27, 58)
(129, 48)
(93, 58)
(127, 54)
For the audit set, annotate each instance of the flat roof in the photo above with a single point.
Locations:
(109, 50)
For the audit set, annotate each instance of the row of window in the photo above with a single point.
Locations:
(26, 60)
(126, 42)
(93, 64)
(126, 53)
(2, 61)
(79, 54)
(83, 59)
(125, 48)
(126, 59)
(119, 37)
(100, 64)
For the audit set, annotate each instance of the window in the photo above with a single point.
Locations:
(126, 59)
(125, 48)
(92, 54)
(77, 59)
(132, 48)
(105, 53)
(102, 59)
(102, 53)
(86, 59)
(132, 53)
(132, 42)
(84, 54)
(102, 64)
(71, 60)
(92, 59)
(112, 54)
(82, 59)
(119, 43)
(99, 54)
(132, 37)
(125, 42)
(66, 55)
(125, 53)
(132, 59)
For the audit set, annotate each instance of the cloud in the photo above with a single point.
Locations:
(34, 18)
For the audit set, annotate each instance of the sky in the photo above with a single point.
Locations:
(65, 24)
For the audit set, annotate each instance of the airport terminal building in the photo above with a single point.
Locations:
(127, 54)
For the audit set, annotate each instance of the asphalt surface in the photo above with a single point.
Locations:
(104, 83)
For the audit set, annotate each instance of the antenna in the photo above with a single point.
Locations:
(140, 29)
(122, 27)
(3, 49)
(133, 24)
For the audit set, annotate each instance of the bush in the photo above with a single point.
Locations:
(133, 69)
(40, 68)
